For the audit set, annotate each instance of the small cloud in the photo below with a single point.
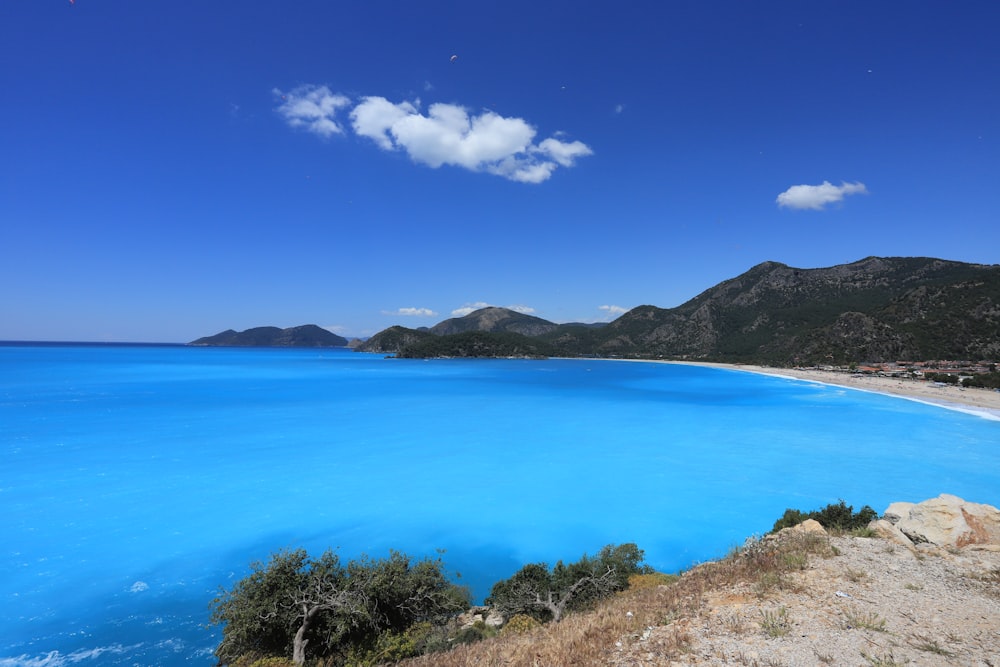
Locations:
(619, 108)
(469, 308)
(336, 328)
(613, 310)
(816, 197)
(313, 108)
(411, 312)
(524, 310)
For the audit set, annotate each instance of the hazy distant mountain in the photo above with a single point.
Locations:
(308, 335)
(495, 320)
(876, 309)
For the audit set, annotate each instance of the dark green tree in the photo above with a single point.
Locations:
(548, 594)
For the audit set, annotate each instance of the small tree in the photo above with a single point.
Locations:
(547, 595)
(256, 615)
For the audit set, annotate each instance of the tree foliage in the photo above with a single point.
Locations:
(478, 344)
(546, 594)
(839, 516)
(294, 604)
(988, 380)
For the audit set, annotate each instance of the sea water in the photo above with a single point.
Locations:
(137, 480)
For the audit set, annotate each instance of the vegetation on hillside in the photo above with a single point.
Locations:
(478, 344)
(366, 612)
(548, 594)
(838, 517)
(598, 636)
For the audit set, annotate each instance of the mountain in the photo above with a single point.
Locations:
(873, 310)
(392, 340)
(876, 309)
(307, 335)
(494, 320)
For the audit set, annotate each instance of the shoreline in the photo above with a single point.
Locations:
(972, 400)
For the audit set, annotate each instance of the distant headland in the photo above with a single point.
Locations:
(307, 335)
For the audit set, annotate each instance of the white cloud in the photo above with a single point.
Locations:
(447, 134)
(411, 312)
(524, 310)
(619, 108)
(375, 115)
(469, 308)
(313, 108)
(562, 152)
(613, 310)
(816, 197)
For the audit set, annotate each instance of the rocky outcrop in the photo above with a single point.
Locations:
(485, 615)
(946, 521)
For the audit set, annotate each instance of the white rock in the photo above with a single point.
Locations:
(897, 511)
(946, 521)
(888, 531)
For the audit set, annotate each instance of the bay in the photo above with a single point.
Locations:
(136, 480)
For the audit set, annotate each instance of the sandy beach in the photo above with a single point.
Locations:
(980, 401)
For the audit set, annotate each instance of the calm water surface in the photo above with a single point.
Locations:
(138, 479)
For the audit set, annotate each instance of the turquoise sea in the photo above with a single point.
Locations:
(136, 480)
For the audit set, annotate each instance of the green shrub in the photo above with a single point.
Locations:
(839, 517)
(789, 519)
(547, 594)
(476, 632)
(986, 380)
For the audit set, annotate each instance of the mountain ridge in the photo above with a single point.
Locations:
(875, 309)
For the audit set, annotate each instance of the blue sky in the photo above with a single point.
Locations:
(173, 169)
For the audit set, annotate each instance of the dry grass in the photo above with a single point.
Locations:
(598, 636)
(863, 620)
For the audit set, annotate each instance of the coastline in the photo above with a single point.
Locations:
(972, 400)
